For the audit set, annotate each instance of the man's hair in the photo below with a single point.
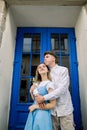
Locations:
(51, 53)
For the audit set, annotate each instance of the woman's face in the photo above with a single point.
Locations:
(42, 69)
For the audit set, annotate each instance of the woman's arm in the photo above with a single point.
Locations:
(32, 89)
(44, 106)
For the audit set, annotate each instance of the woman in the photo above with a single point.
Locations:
(39, 119)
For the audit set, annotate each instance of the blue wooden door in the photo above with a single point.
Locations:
(30, 46)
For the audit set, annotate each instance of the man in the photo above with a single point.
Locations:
(63, 113)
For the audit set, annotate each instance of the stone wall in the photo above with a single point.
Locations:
(3, 11)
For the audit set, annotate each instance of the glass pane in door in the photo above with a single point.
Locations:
(55, 46)
(30, 60)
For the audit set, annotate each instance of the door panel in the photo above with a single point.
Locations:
(30, 46)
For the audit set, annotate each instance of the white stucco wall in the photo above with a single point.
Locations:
(81, 42)
(6, 68)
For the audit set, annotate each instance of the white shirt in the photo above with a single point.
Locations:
(60, 77)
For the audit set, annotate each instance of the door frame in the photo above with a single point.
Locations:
(45, 32)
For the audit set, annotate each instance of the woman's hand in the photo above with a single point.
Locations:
(32, 108)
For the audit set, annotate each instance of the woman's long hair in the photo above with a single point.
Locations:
(38, 76)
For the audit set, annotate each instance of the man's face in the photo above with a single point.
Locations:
(49, 59)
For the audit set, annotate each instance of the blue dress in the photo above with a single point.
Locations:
(39, 119)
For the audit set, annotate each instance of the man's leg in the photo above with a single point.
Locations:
(55, 123)
(67, 123)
